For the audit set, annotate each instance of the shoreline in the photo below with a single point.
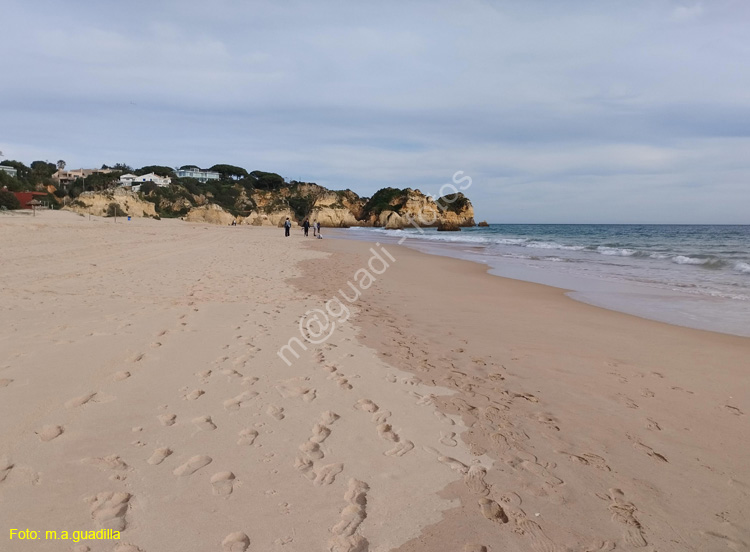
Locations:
(587, 413)
(660, 304)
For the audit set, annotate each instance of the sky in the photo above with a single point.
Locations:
(582, 111)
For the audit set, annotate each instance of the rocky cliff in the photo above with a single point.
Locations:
(388, 208)
(98, 204)
(394, 208)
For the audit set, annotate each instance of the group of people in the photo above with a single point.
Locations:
(305, 226)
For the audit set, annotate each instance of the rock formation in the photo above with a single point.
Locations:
(447, 226)
(97, 203)
(388, 208)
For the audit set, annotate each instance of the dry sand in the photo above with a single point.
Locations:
(141, 390)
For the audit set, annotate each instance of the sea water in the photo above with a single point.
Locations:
(690, 275)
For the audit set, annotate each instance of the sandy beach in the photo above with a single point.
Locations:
(142, 391)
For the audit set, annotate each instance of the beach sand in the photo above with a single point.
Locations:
(141, 391)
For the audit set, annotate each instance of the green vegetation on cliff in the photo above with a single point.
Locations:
(387, 199)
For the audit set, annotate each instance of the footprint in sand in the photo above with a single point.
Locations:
(624, 512)
(734, 410)
(344, 532)
(247, 437)
(235, 542)
(455, 465)
(400, 449)
(167, 419)
(474, 480)
(444, 418)
(222, 483)
(366, 405)
(328, 417)
(638, 445)
(5, 466)
(5, 382)
(108, 510)
(123, 375)
(204, 423)
(312, 450)
(49, 432)
(381, 417)
(475, 548)
(653, 425)
(492, 510)
(291, 389)
(204, 375)
(80, 401)
(275, 411)
(448, 438)
(231, 374)
(319, 433)
(587, 459)
(111, 462)
(385, 431)
(236, 402)
(304, 465)
(193, 395)
(539, 541)
(193, 465)
(158, 456)
(327, 474)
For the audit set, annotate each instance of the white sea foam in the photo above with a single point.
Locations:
(616, 251)
(681, 259)
(555, 245)
(742, 267)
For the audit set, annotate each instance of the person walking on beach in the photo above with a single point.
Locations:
(287, 226)
(306, 226)
(318, 225)
(315, 228)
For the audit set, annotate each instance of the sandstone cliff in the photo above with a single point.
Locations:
(212, 214)
(97, 203)
(228, 201)
(394, 208)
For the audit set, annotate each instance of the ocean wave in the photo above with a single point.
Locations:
(744, 268)
(510, 241)
(555, 245)
(705, 262)
(604, 250)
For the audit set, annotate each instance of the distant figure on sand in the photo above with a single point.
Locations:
(315, 228)
(287, 226)
(317, 224)
(306, 226)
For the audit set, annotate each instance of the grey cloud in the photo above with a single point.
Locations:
(557, 109)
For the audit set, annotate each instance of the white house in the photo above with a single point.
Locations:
(127, 179)
(10, 170)
(195, 172)
(161, 181)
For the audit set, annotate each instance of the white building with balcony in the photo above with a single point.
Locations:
(198, 174)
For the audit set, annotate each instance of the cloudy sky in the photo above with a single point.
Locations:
(559, 111)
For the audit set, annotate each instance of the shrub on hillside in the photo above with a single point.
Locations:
(8, 200)
(114, 210)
